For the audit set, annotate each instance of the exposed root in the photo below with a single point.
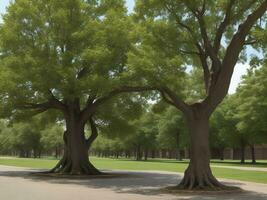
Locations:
(203, 180)
(65, 166)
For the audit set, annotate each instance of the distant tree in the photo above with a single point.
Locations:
(223, 126)
(51, 138)
(143, 140)
(25, 139)
(5, 138)
(172, 131)
(251, 109)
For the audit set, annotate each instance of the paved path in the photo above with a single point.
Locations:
(261, 169)
(18, 184)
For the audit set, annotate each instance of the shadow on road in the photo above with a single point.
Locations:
(149, 184)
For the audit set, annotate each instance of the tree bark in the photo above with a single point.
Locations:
(198, 175)
(75, 159)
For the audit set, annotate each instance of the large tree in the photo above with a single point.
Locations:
(67, 55)
(206, 34)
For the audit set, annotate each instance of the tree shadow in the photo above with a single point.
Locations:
(141, 183)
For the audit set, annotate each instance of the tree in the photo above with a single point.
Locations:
(69, 56)
(251, 110)
(51, 138)
(206, 34)
(172, 131)
(5, 138)
(25, 139)
(144, 139)
(223, 125)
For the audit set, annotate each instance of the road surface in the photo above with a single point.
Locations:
(20, 184)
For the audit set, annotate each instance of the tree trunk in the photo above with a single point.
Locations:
(178, 153)
(242, 152)
(35, 153)
(153, 154)
(138, 153)
(198, 175)
(253, 157)
(222, 153)
(146, 154)
(75, 159)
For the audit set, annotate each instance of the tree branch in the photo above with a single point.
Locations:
(52, 103)
(209, 50)
(123, 89)
(251, 42)
(231, 57)
(94, 133)
(188, 52)
(227, 20)
(56, 103)
(89, 110)
(165, 98)
(175, 100)
(223, 26)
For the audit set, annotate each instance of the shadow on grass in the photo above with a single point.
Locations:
(148, 184)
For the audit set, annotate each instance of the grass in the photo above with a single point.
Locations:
(158, 165)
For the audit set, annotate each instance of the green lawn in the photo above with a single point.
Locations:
(162, 165)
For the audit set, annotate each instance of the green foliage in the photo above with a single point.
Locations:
(172, 130)
(223, 125)
(252, 113)
(51, 137)
(72, 49)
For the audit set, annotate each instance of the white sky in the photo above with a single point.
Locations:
(240, 69)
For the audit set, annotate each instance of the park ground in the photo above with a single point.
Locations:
(227, 169)
(17, 183)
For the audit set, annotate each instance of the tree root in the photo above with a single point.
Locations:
(65, 166)
(204, 180)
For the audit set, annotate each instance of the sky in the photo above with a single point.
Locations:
(240, 69)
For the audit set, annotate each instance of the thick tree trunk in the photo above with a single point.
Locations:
(198, 175)
(75, 160)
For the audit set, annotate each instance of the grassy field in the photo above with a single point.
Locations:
(159, 165)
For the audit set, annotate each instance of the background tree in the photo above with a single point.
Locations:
(206, 34)
(251, 110)
(51, 138)
(223, 126)
(172, 132)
